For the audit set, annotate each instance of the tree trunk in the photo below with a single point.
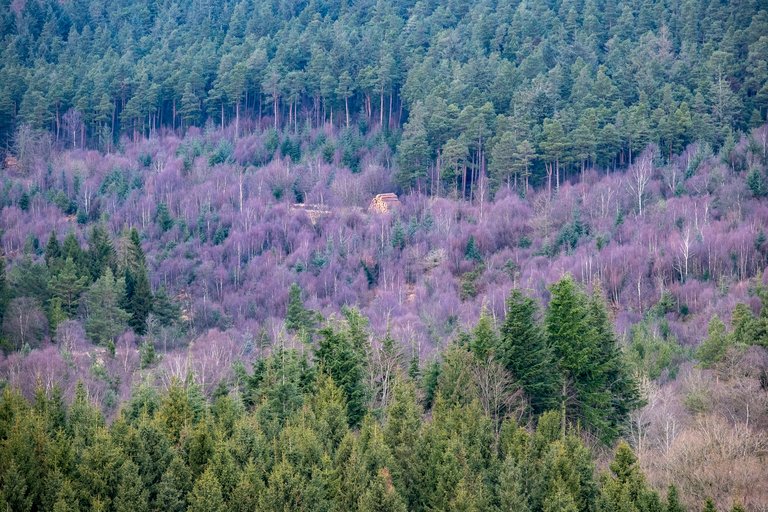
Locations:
(346, 108)
(237, 119)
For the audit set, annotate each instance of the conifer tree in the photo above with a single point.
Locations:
(174, 486)
(381, 495)
(715, 345)
(101, 253)
(673, 500)
(341, 355)
(132, 495)
(523, 351)
(138, 295)
(105, 320)
(52, 250)
(298, 319)
(67, 286)
(206, 495)
(484, 337)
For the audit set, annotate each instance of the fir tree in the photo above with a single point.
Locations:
(523, 351)
(138, 295)
(105, 320)
(67, 286)
(206, 495)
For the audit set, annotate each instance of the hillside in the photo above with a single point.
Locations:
(357, 255)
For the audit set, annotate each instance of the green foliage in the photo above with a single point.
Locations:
(651, 355)
(299, 319)
(341, 354)
(163, 217)
(105, 319)
(756, 183)
(471, 251)
(596, 387)
(715, 345)
(524, 352)
(137, 300)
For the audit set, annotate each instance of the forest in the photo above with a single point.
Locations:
(204, 307)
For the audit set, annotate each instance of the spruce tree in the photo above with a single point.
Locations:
(339, 355)
(206, 495)
(523, 351)
(132, 495)
(67, 286)
(101, 253)
(174, 486)
(52, 250)
(673, 500)
(138, 295)
(614, 394)
(484, 338)
(381, 495)
(298, 319)
(104, 319)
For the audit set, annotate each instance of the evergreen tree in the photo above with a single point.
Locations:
(413, 152)
(511, 491)
(715, 345)
(298, 319)
(612, 376)
(595, 387)
(341, 355)
(673, 501)
(625, 488)
(137, 300)
(132, 495)
(174, 486)
(206, 495)
(523, 351)
(101, 254)
(52, 250)
(105, 320)
(381, 495)
(67, 286)
(483, 341)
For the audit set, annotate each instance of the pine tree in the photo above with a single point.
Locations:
(523, 351)
(413, 152)
(709, 505)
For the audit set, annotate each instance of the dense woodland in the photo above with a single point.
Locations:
(567, 310)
